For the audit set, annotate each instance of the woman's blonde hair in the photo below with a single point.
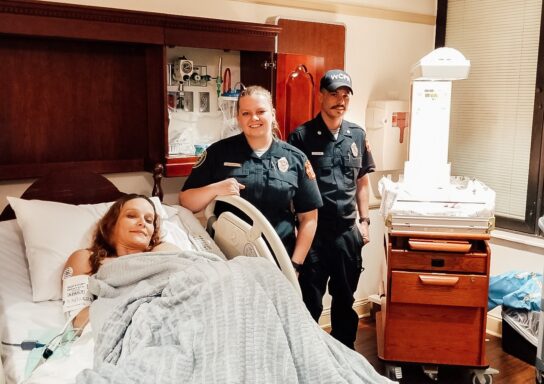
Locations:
(103, 244)
(258, 90)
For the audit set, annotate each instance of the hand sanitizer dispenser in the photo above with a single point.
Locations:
(387, 124)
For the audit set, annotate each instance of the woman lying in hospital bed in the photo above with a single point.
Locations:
(164, 315)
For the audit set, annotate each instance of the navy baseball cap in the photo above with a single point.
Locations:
(334, 79)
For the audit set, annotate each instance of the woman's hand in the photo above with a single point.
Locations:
(229, 186)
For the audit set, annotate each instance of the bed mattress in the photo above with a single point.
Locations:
(20, 317)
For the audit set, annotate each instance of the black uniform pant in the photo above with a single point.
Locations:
(335, 257)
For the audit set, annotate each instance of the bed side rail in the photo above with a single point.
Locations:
(261, 227)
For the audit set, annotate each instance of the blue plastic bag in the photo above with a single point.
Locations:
(515, 289)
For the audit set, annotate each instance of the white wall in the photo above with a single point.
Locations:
(379, 55)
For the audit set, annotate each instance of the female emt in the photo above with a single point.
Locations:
(271, 174)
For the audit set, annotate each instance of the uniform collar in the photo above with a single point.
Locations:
(244, 144)
(272, 150)
(323, 130)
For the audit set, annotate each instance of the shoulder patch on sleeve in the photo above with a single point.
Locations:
(309, 170)
(201, 159)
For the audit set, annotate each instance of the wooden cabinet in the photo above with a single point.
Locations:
(436, 301)
(87, 85)
(305, 51)
(297, 85)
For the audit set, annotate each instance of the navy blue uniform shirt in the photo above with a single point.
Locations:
(338, 163)
(281, 175)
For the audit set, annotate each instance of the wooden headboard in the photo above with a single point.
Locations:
(73, 185)
(77, 185)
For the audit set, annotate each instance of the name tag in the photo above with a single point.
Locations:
(227, 164)
(317, 153)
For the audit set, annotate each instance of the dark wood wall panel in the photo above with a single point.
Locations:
(317, 39)
(156, 100)
(217, 40)
(84, 85)
(103, 86)
(31, 18)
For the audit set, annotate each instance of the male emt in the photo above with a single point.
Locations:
(338, 153)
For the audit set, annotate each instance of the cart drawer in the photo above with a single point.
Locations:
(438, 261)
(439, 289)
(432, 334)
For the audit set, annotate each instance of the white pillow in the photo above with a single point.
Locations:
(52, 232)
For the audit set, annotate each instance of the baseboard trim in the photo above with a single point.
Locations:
(494, 325)
(362, 307)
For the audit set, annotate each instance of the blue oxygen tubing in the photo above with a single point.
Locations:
(58, 340)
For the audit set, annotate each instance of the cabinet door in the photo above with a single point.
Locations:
(256, 69)
(297, 86)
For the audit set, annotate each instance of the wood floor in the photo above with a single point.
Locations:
(512, 370)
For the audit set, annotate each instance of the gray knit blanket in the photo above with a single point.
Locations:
(192, 318)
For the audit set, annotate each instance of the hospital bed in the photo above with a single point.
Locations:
(21, 318)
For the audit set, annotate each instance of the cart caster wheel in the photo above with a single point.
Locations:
(393, 372)
(482, 379)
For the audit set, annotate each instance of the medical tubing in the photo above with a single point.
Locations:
(57, 340)
(26, 345)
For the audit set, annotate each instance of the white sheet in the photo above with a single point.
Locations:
(464, 197)
(20, 317)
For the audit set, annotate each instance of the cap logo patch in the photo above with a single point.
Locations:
(341, 76)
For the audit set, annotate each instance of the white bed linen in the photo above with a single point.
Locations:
(464, 197)
(20, 317)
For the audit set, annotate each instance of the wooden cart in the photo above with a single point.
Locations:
(436, 301)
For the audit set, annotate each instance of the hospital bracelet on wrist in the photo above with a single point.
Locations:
(365, 219)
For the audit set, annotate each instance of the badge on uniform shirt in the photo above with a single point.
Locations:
(354, 149)
(283, 164)
(309, 170)
(200, 160)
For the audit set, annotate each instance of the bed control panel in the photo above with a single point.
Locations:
(236, 237)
